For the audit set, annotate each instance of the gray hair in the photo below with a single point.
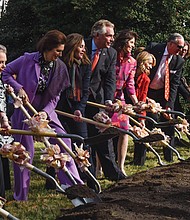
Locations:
(174, 37)
(100, 27)
(3, 49)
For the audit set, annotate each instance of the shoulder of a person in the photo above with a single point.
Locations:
(132, 59)
(146, 77)
(88, 42)
(85, 66)
(180, 59)
(30, 56)
(111, 49)
(60, 62)
(33, 54)
(155, 45)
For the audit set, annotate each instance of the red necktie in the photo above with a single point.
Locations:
(95, 60)
(167, 80)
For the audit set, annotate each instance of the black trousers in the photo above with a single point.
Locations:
(140, 150)
(2, 185)
(105, 150)
(6, 171)
(79, 128)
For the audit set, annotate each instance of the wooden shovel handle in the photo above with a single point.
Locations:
(87, 120)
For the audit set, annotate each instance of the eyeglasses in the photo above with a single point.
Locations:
(178, 46)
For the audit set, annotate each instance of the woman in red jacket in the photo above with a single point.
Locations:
(145, 61)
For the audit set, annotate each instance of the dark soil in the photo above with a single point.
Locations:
(159, 193)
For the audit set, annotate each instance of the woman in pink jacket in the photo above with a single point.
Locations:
(125, 72)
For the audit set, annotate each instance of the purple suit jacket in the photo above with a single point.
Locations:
(27, 72)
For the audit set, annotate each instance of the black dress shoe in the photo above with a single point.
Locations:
(120, 176)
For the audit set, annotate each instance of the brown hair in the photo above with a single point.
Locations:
(72, 42)
(122, 38)
(187, 55)
(50, 40)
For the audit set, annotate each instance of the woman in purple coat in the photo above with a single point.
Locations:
(40, 77)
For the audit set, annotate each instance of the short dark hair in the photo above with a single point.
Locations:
(50, 40)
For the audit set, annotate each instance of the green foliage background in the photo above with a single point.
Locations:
(24, 22)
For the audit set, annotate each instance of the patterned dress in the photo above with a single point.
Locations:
(3, 108)
(4, 171)
(125, 72)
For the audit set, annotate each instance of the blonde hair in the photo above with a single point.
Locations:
(142, 58)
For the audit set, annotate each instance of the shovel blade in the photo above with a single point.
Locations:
(109, 133)
(150, 138)
(81, 195)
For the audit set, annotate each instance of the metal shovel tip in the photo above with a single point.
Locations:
(109, 133)
(150, 138)
(188, 135)
(83, 193)
(179, 142)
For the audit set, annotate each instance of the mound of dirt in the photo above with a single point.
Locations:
(159, 193)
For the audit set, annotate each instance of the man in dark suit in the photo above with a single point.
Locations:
(102, 88)
(157, 87)
(183, 89)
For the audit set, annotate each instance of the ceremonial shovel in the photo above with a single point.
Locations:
(111, 131)
(155, 123)
(180, 140)
(165, 144)
(4, 213)
(7, 215)
(78, 200)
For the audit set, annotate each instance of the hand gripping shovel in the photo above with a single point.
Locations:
(66, 148)
(5, 214)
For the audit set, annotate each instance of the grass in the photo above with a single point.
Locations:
(43, 204)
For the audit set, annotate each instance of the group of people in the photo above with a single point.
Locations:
(66, 72)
